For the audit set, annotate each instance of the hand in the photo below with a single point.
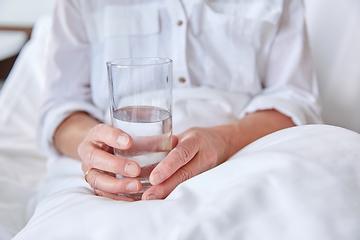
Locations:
(95, 152)
(198, 150)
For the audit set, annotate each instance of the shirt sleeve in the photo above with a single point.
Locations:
(289, 83)
(67, 72)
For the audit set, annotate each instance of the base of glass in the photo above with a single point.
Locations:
(144, 180)
(138, 196)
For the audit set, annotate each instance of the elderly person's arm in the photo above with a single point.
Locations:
(197, 150)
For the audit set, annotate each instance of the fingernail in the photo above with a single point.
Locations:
(123, 140)
(131, 170)
(151, 197)
(132, 187)
(157, 178)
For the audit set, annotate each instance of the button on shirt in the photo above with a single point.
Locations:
(256, 49)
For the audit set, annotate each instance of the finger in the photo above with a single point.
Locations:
(162, 190)
(114, 137)
(107, 183)
(186, 149)
(113, 196)
(94, 157)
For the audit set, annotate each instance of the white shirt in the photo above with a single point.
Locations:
(256, 50)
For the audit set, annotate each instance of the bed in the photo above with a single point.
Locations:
(298, 183)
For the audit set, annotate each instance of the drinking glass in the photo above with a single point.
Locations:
(140, 105)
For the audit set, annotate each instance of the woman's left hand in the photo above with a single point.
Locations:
(201, 149)
(197, 150)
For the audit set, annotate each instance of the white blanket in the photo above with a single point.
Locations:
(299, 183)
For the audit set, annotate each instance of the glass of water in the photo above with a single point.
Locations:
(140, 105)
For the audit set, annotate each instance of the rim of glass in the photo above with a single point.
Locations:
(147, 61)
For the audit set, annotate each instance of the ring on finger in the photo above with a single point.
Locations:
(87, 172)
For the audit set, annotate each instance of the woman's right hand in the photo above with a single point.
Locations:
(96, 153)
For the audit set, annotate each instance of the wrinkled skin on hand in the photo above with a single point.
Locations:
(198, 150)
(195, 151)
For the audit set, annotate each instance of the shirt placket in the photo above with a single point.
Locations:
(179, 34)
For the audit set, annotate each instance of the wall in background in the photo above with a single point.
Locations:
(17, 16)
(23, 13)
(333, 27)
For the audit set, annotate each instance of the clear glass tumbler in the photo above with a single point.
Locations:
(140, 105)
